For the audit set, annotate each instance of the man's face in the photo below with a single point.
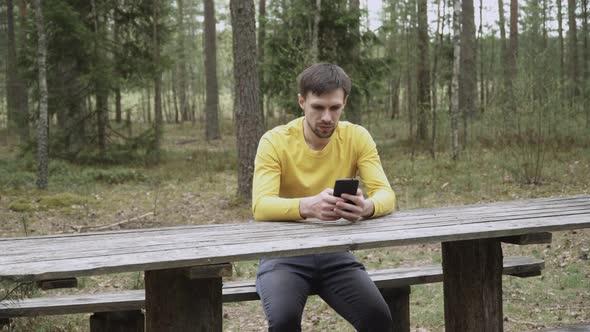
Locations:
(323, 112)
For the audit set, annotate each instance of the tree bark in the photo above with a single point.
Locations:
(317, 16)
(482, 91)
(17, 95)
(440, 27)
(574, 83)
(423, 73)
(157, 83)
(353, 109)
(468, 76)
(248, 115)
(183, 101)
(261, 38)
(42, 129)
(455, 80)
(585, 59)
(212, 97)
(513, 38)
(561, 42)
(99, 77)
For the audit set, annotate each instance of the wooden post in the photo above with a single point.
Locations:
(398, 300)
(472, 273)
(117, 321)
(174, 302)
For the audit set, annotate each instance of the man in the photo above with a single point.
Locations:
(296, 166)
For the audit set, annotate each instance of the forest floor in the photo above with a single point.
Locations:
(196, 184)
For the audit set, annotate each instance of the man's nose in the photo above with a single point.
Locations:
(326, 116)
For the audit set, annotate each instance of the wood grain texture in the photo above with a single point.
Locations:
(66, 256)
(472, 285)
(233, 291)
(533, 238)
(398, 301)
(176, 303)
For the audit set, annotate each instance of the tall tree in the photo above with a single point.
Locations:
(482, 89)
(440, 27)
(157, 82)
(17, 96)
(182, 79)
(353, 109)
(572, 49)
(561, 42)
(455, 78)
(505, 61)
(248, 115)
(317, 17)
(212, 97)
(585, 59)
(513, 38)
(43, 125)
(423, 73)
(468, 77)
(261, 41)
(100, 74)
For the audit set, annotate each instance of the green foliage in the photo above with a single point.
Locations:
(61, 200)
(21, 205)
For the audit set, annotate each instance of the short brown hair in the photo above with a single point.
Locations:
(323, 77)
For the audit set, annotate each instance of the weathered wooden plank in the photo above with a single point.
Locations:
(176, 303)
(533, 238)
(118, 321)
(398, 301)
(400, 219)
(109, 248)
(339, 238)
(473, 285)
(234, 291)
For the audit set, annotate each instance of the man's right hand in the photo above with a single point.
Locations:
(320, 206)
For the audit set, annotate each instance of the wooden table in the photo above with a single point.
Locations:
(183, 265)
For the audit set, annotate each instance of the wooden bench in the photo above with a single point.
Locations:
(120, 311)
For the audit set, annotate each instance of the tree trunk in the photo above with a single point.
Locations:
(585, 59)
(482, 90)
(100, 80)
(155, 151)
(17, 95)
(423, 73)
(440, 27)
(561, 42)
(117, 44)
(42, 129)
(212, 98)
(149, 104)
(353, 109)
(468, 77)
(513, 38)
(317, 16)
(261, 38)
(573, 49)
(455, 81)
(248, 115)
(182, 63)
(174, 99)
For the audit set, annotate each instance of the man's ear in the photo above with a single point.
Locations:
(345, 100)
(301, 101)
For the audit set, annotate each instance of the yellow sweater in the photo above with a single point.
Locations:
(286, 169)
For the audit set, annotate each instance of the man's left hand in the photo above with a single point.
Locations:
(362, 208)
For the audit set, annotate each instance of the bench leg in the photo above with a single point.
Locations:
(176, 303)
(472, 273)
(398, 300)
(118, 321)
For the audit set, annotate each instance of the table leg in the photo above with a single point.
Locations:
(473, 285)
(180, 300)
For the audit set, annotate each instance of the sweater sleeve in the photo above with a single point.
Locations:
(372, 174)
(266, 203)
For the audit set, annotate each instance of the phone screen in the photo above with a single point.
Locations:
(346, 186)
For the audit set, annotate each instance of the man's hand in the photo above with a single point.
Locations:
(325, 206)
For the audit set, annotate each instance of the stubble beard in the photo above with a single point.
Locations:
(319, 133)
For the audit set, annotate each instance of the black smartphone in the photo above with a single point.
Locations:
(346, 186)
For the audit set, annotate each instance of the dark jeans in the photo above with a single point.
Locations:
(338, 278)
